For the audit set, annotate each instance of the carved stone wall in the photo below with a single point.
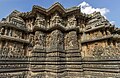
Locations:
(58, 43)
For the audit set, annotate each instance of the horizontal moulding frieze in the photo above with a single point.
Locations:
(14, 70)
(97, 39)
(99, 74)
(101, 70)
(10, 25)
(102, 59)
(56, 27)
(4, 37)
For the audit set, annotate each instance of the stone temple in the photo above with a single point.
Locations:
(58, 43)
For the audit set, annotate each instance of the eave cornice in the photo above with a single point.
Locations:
(55, 7)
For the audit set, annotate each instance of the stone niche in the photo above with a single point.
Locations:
(40, 21)
(54, 41)
(39, 40)
(55, 20)
(71, 41)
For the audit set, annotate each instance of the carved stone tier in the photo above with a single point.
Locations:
(14, 59)
(56, 26)
(4, 37)
(57, 6)
(99, 65)
(15, 74)
(97, 28)
(116, 36)
(97, 39)
(99, 74)
(10, 25)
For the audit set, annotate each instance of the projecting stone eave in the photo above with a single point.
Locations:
(55, 7)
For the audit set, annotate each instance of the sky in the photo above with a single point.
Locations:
(108, 8)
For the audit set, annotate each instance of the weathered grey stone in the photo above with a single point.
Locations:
(58, 43)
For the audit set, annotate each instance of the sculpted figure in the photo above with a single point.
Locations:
(48, 40)
(82, 27)
(71, 40)
(2, 31)
(31, 39)
(16, 49)
(10, 32)
(108, 32)
(39, 39)
(104, 34)
(15, 33)
(11, 49)
(72, 21)
(56, 39)
(6, 31)
(5, 47)
(29, 24)
(40, 21)
(99, 34)
(19, 47)
(29, 51)
(20, 35)
(97, 51)
(55, 19)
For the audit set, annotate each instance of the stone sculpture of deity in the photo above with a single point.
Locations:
(55, 20)
(71, 22)
(39, 40)
(40, 21)
(71, 41)
(56, 39)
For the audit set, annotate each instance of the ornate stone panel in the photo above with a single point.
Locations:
(71, 41)
(39, 40)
